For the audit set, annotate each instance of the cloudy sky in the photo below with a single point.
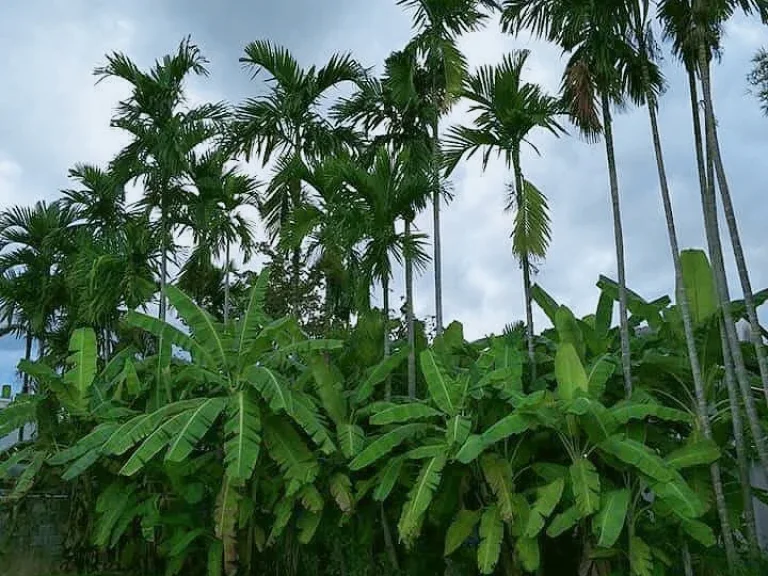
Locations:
(52, 115)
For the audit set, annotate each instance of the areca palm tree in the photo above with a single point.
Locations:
(595, 79)
(508, 110)
(385, 193)
(164, 131)
(758, 77)
(212, 212)
(393, 113)
(327, 224)
(99, 201)
(647, 92)
(438, 24)
(695, 28)
(33, 244)
(288, 123)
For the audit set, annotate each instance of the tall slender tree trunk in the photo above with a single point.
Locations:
(709, 207)
(742, 457)
(438, 257)
(388, 541)
(25, 379)
(27, 357)
(702, 410)
(409, 320)
(687, 564)
(226, 283)
(163, 258)
(626, 360)
(385, 305)
(738, 253)
(526, 264)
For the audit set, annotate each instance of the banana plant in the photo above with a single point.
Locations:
(605, 471)
(240, 389)
(425, 446)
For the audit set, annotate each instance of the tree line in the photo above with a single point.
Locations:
(270, 392)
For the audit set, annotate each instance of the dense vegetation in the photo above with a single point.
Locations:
(275, 422)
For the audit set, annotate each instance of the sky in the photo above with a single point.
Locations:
(53, 115)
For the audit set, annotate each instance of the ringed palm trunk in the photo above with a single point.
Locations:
(163, 258)
(742, 457)
(709, 207)
(716, 254)
(526, 264)
(738, 251)
(438, 257)
(226, 284)
(385, 304)
(409, 320)
(626, 362)
(702, 411)
(25, 380)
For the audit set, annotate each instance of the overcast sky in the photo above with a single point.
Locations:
(52, 115)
